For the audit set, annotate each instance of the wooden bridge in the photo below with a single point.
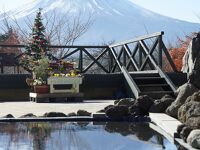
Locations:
(140, 60)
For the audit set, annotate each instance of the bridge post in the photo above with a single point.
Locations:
(160, 47)
(140, 56)
(80, 65)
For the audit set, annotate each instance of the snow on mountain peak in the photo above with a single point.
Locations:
(114, 19)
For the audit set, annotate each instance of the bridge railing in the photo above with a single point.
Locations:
(88, 59)
(139, 54)
(142, 53)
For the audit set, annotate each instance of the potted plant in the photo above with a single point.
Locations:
(40, 75)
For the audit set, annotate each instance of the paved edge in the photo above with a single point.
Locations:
(167, 125)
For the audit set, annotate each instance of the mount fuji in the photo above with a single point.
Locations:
(114, 20)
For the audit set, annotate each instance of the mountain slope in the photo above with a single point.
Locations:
(113, 19)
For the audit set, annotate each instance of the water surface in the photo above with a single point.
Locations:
(81, 136)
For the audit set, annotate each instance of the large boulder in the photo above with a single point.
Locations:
(117, 112)
(191, 61)
(144, 103)
(189, 112)
(159, 106)
(183, 92)
(194, 139)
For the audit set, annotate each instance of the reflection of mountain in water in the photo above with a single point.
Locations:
(81, 136)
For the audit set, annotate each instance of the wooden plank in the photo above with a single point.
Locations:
(162, 74)
(167, 79)
(133, 86)
(115, 57)
(169, 58)
(71, 53)
(150, 52)
(80, 64)
(101, 66)
(138, 39)
(118, 58)
(130, 57)
(160, 51)
(93, 62)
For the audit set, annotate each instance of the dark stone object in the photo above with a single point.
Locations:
(71, 114)
(117, 112)
(185, 132)
(29, 115)
(8, 116)
(159, 106)
(54, 114)
(144, 102)
(83, 113)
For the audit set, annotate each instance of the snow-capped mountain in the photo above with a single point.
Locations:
(113, 19)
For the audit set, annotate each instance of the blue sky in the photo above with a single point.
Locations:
(181, 9)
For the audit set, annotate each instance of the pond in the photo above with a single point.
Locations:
(81, 136)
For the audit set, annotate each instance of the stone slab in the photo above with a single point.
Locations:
(168, 126)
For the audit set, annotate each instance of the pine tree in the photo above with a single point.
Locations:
(38, 43)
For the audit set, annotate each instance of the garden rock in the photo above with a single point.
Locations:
(29, 115)
(189, 113)
(135, 111)
(194, 138)
(185, 132)
(144, 102)
(159, 106)
(191, 61)
(107, 107)
(83, 113)
(193, 122)
(183, 92)
(8, 116)
(54, 114)
(71, 114)
(125, 102)
(117, 112)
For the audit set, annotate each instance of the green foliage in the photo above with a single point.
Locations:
(41, 69)
(38, 43)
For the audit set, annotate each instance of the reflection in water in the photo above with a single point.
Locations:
(80, 136)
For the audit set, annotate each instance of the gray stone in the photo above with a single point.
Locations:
(159, 106)
(189, 112)
(183, 92)
(8, 116)
(194, 138)
(54, 114)
(107, 107)
(185, 132)
(117, 112)
(191, 61)
(83, 113)
(179, 128)
(71, 114)
(144, 102)
(116, 101)
(125, 102)
(29, 115)
(193, 122)
(135, 111)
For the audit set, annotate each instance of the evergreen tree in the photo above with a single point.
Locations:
(38, 43)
